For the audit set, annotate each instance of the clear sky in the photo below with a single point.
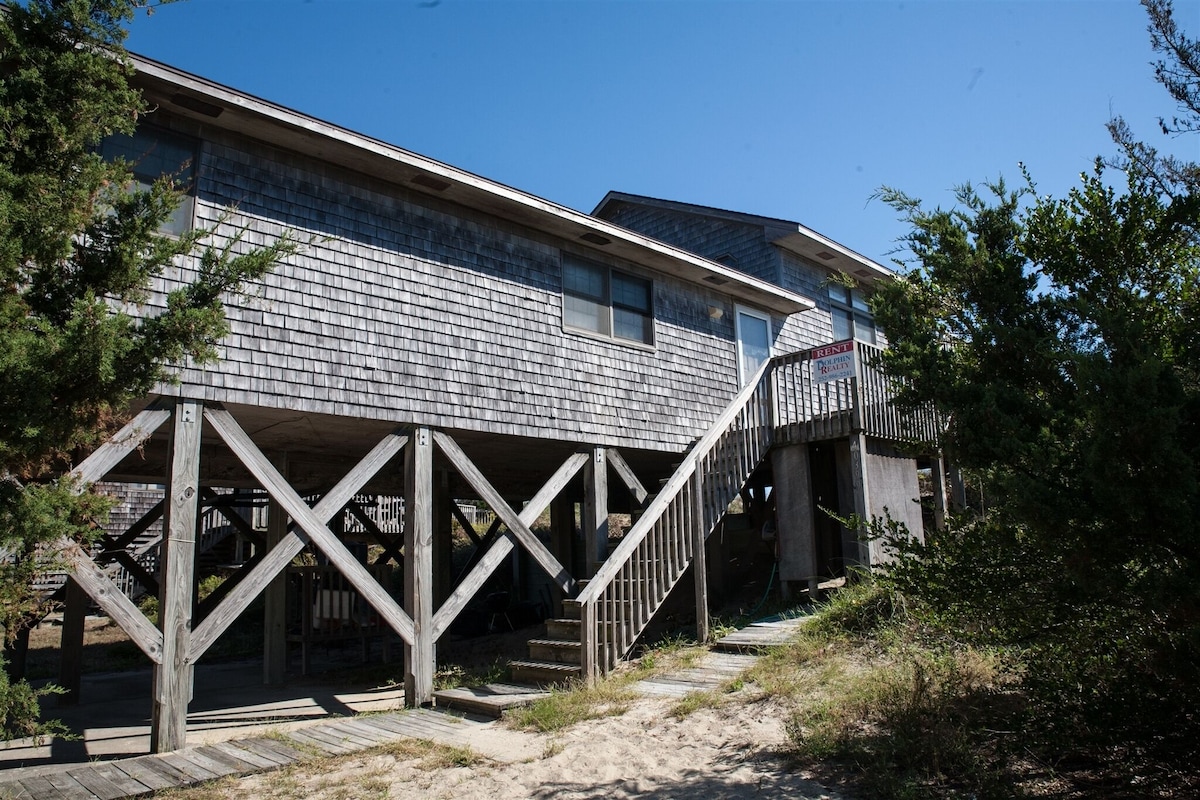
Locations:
(798, 110)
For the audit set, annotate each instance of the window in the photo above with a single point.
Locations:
(851, 315)
(604, 301)
(753, 342)
(152, 153)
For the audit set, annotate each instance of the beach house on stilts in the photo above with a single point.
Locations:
(445, 338)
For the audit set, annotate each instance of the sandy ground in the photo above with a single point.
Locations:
(645, 753)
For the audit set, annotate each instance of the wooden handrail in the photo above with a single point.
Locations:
(671, 489)
(631, 585)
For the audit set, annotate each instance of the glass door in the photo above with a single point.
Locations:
(753, 342)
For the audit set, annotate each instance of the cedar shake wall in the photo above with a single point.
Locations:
(712, 237)
(810, 328)
(416, 311)
(704, 236)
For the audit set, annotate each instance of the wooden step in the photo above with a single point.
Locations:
(543, 673)
(558, 651)
(563, 629)
(490, 700)
(570, 608)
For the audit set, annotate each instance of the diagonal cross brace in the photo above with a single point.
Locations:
(466, 468)
(627, 475)
(81, 566)
(501, 548)
(311, 523)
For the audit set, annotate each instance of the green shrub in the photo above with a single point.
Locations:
(19, 709)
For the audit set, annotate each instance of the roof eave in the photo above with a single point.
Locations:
(791, 236)
(292, 130)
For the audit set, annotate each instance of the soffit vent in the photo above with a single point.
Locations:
(716, 280)
(430, 182)
(197, 105)
(862, 273)
(595, 238)
(825, 255)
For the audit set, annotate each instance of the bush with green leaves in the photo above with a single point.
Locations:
(1060, 339)
(80, 247)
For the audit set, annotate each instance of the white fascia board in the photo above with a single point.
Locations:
(807, 243)
(292, 130)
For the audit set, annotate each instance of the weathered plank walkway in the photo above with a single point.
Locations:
(713, 671)
(490, 700)
(772, 632)
(144, 775)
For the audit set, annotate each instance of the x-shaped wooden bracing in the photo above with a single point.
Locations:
(312, 526)
(83, 569)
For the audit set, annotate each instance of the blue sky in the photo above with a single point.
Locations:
(798, 110)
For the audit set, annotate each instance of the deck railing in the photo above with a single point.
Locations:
(809, 411)
(782, 403)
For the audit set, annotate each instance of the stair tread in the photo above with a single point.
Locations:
(554, 666)
(492, 699)
(555, 642)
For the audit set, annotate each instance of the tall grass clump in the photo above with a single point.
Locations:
(884, 702)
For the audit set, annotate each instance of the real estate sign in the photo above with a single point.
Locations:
(833, 362)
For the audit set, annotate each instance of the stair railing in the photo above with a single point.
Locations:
(623, 595)
(783, 402)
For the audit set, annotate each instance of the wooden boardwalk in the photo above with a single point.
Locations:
(773, 632)
(144, 775)
(713, 671)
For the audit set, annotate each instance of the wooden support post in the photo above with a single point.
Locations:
(173, 677)
(589, 646)
(699, 559)
(958, 488)
(795, 531)
(443, 537)
(937, 475)
(562, 538)
(70, 664)
(275, 595)
(418, 566)
(862, 493)
(595, 509)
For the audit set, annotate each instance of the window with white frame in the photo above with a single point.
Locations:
(608, 302)
(851, 315)
(152, 153)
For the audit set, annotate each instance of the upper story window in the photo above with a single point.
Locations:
(603, 300)
(851, 315)
(153, 152)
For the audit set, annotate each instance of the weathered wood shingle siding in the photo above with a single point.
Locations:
(416, 311)
(704, 236)
(811, 328)
(713, 237)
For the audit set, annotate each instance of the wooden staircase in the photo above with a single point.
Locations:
(557, 658)
(783, 403)
(629, 588)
